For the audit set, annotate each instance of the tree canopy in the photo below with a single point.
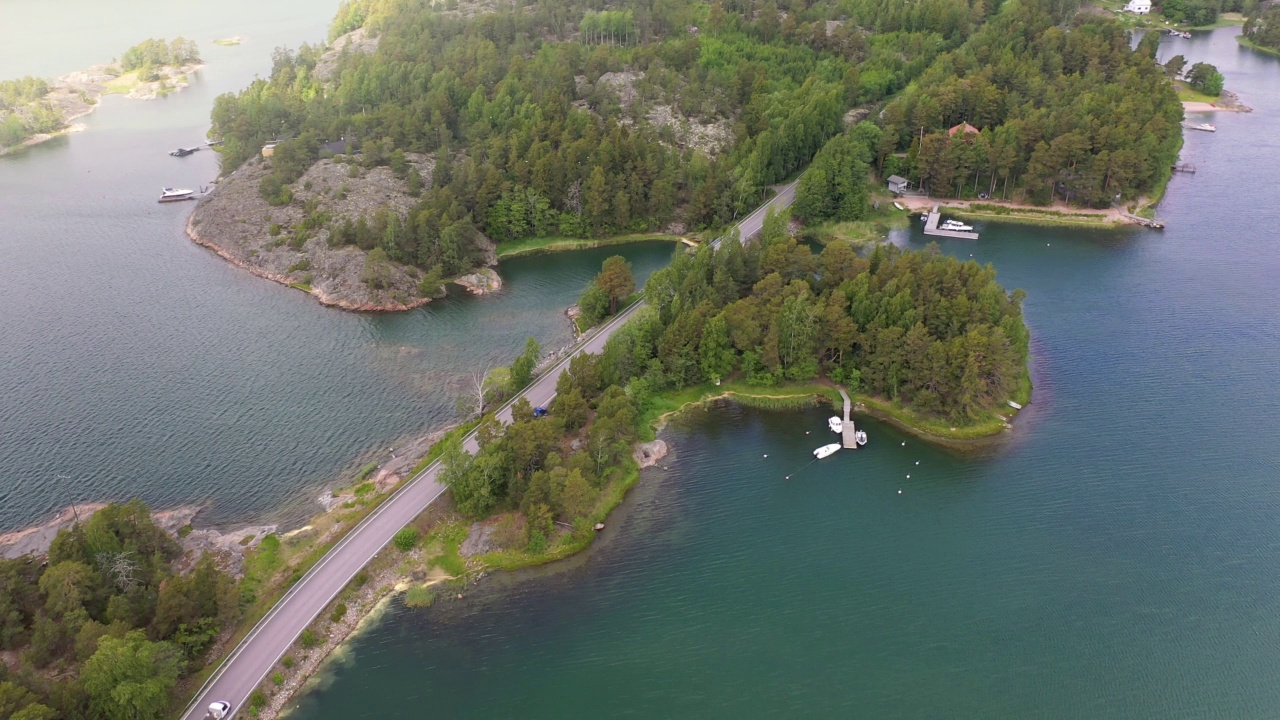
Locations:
(1064, 109)
(108, 619)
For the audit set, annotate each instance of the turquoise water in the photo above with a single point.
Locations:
(133, 362)
(1117, 557)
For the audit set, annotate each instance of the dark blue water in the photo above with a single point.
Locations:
(1118, 557)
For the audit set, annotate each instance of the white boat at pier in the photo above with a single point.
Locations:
(826, 450)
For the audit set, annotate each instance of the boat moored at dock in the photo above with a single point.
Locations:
(176, 194)
(835, 423)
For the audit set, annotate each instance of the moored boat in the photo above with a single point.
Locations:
(176, 194)
(826, 450)
(955, 225)
(183, 152)
(836, 424)
(860, 437)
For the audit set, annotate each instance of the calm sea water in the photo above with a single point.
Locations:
(1119, 557)
(133, 362)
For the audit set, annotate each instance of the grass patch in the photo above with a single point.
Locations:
(777, 397)
(450, 537)
(1188, 94)
(533, 246)
(123, 85)
(304, 287)
(419, 598)
(1031, 216)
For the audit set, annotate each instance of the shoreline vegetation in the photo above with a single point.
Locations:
(34, 111)
(537, 246)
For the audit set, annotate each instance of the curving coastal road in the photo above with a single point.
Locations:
(272, 637)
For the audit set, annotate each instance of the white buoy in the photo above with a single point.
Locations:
(904, 444)
(917, 462)
(766, 455)
(908, 477)
(899, 492)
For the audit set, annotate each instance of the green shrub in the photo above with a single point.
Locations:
(405, 539)
(339, 612)
(257, 700)
(277, 678)
(308, 639)
(274, 230)
(287, 661)
(361, 579)
(419, 597)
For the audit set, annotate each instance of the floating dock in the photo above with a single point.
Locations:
(931, 228)
(848, 436)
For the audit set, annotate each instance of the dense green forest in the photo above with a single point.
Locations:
(22, 114)
(1263, 27)
(937, 335)
(1071, 114)
(530, 141)
(106, 628)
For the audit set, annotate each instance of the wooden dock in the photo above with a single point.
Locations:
(931, 228)
(1154, 224)
(848, 435)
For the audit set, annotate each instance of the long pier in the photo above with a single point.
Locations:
(931, 228)
(847, 433)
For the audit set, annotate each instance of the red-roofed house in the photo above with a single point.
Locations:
(964, 126)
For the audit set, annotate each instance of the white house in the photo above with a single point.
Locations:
(1138, 7)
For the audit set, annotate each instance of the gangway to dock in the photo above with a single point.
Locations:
(931, 228)
(848, 436)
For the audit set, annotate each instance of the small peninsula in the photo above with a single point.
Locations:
(33, 110)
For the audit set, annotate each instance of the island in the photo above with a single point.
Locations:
(33, 110)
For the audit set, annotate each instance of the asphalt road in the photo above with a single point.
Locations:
(272, 637)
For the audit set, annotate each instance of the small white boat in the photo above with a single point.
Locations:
(836, 424)
(175, 194)
(1207, 127)
(955, 225)
(826, 450)
(861, 437)
(1014, 405)
(900, 206)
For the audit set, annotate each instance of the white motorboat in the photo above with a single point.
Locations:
(955, 225)
(826, 450)
(861, 437)
(1207, 127)
(176, 194)
(836, 424)
(900, 206)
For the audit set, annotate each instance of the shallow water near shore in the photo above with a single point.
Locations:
(1116, 558)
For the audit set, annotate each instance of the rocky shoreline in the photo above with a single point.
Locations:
(227, 547)
(79, 93)
(282, 244)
